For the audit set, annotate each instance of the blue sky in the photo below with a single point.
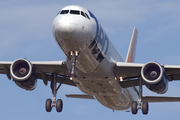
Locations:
(25, 32)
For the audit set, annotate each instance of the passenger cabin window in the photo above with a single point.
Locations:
(64, 12)
(75, 12)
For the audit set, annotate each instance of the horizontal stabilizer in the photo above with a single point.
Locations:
(160, 99)
(80, 96)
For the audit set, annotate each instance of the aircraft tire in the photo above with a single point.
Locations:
(145, 108)
(59, 105)
(134, 107)
(48, 105)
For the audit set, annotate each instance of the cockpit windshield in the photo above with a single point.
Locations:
(64, 12)
(82, 13)
(75, 12)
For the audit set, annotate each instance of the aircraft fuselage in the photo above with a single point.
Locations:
(78, 30)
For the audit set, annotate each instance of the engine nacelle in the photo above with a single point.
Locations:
(22, 73)
(155, 77)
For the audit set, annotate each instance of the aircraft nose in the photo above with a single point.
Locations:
(64, 27)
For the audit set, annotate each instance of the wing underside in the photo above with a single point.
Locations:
(44, 71)
(129, 75)
(132, 72)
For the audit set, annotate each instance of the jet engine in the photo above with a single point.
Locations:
(22, 73)
(155, 77)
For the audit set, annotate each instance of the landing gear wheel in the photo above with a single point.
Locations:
(48, 105)
(134, 107)
(140, 105)
(59, 105)
(145, 108)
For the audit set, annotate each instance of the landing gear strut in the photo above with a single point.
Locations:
(57, 104)
(140, 105)
(73, 70)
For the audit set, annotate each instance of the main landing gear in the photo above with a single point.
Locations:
(57, 104)
(73, 70)
(140, 105)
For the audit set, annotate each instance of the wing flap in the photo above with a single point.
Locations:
(172, 69)
(172, 77)
(5, 68)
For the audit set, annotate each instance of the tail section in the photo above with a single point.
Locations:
(132, 47)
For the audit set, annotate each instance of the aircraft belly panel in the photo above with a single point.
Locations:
(115, 102)
(98, 87)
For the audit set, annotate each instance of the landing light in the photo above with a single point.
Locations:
(76, 53)
(71, 78)
(71, 52)
(121, 79)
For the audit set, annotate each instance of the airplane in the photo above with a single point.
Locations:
(94, 66)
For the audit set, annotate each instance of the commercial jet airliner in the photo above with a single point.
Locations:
(94, 66)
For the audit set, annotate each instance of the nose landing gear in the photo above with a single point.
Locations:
(73, 70)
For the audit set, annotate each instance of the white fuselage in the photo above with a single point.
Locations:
(76, 29)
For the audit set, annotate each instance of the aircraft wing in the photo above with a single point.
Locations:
(43, 71)
(130, 73)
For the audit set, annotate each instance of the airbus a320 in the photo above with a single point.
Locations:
(94, 66)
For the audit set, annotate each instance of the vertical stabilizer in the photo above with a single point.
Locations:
(132, 47)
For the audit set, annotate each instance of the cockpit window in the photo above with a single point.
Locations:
(64, 12)
(76, 12)
(82, 13)
(87, 16)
